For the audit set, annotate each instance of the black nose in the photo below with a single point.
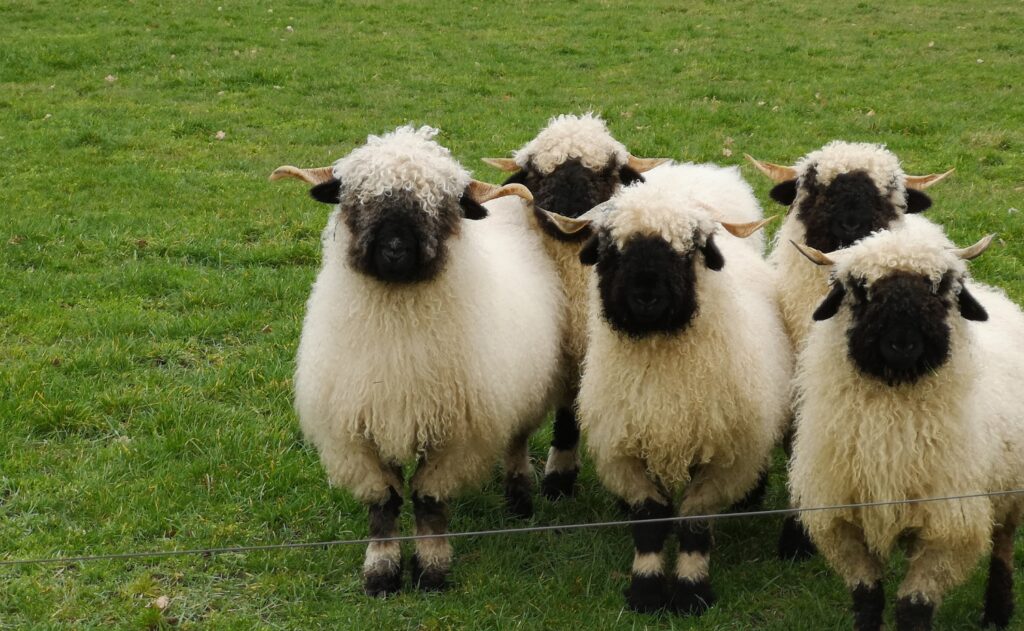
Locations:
(902, 347)
(395, 250)
(851, 225)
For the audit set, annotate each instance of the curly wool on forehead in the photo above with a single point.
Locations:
(406, 160)
(888, 251)
(569, 136)
(881, 165)
(649, 210)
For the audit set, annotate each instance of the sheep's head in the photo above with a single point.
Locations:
(649, 247)
(401, 197)
(573, 165)
(902, 290)
(845, 191)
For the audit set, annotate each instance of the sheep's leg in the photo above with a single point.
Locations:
(712, 489)
(519, 477)
(627, 478)
(999, 593)
(936, 565)
(433, 559)
(382, 567)
(563, 464)
(843, 545)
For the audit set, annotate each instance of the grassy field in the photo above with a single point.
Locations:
(152, 281)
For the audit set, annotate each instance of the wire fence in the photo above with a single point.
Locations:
(84, 558)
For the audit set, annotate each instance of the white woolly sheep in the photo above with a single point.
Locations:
(902, 392)
(685, 382)
(836, 195)
(571, 166)
(413, 348)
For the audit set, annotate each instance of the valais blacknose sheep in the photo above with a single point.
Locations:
(685, 382)
(428, 338)
(571, 166)
(904, 390)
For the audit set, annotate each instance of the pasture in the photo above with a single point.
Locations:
(152, 281)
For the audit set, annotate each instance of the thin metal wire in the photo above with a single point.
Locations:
(487, 533)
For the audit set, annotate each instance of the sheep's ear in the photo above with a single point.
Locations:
(328, 192)
(519, 177)
(917, 201)
(830, 306)
(970, 308)
(712, 255)
(588, 253)
(784, 193)
(471, 209)
(628, 175)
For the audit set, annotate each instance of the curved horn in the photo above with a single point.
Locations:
(566, 225)
(815, 256)
(921, 182)
(776, 172)
(641, 165)
(504, 164)
(975, 250)
(318, 175)
(482, 192)
(744, 230)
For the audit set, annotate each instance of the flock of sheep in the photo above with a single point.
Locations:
(633, 297)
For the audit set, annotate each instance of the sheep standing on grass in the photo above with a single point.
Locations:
(685, 382)
(571, 166)
(836, 195)
(428, 338)
(902, 392)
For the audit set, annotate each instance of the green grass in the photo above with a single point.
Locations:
(152, 281)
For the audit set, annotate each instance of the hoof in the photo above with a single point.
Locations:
(559, 484)
(794, 542)
(913, 616)
(690, 598)
(646, 594)
(381, 584)
(429, 579)
(518, 497)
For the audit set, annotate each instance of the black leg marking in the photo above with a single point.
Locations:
(693, 595)
(431, 573)
(384, 577)
(692, 598)
(566, 438)
(646, 593)
(649, 538)
(794, 542)
(999, 591)
(868, 605)
(913, 616)
(519, 495)
(694, 536)
(754, 498)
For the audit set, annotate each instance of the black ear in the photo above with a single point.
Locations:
(917, 201)
(328, 192)
(970, 308)
(784, 193)
(629, 175)
(712, 255)
(830, 306)
(519, 177)
(588, 253)
(471, 209)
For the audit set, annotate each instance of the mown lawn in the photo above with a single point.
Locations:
(152, 281)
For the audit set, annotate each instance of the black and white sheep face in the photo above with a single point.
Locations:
(646, 285)
(572, 188)
(393, 237)
(849, 207)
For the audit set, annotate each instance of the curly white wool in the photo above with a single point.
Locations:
(407, 159)
(839, 156)
(568, 136)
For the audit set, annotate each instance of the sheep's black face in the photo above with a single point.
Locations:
(647, 287)
(850, 208)
(572, 189)
(394, 240)
(901, 333)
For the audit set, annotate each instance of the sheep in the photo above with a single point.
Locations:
(836, 195)
(904, 391)
(412, 348)
(686, 372)
(572, 165)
